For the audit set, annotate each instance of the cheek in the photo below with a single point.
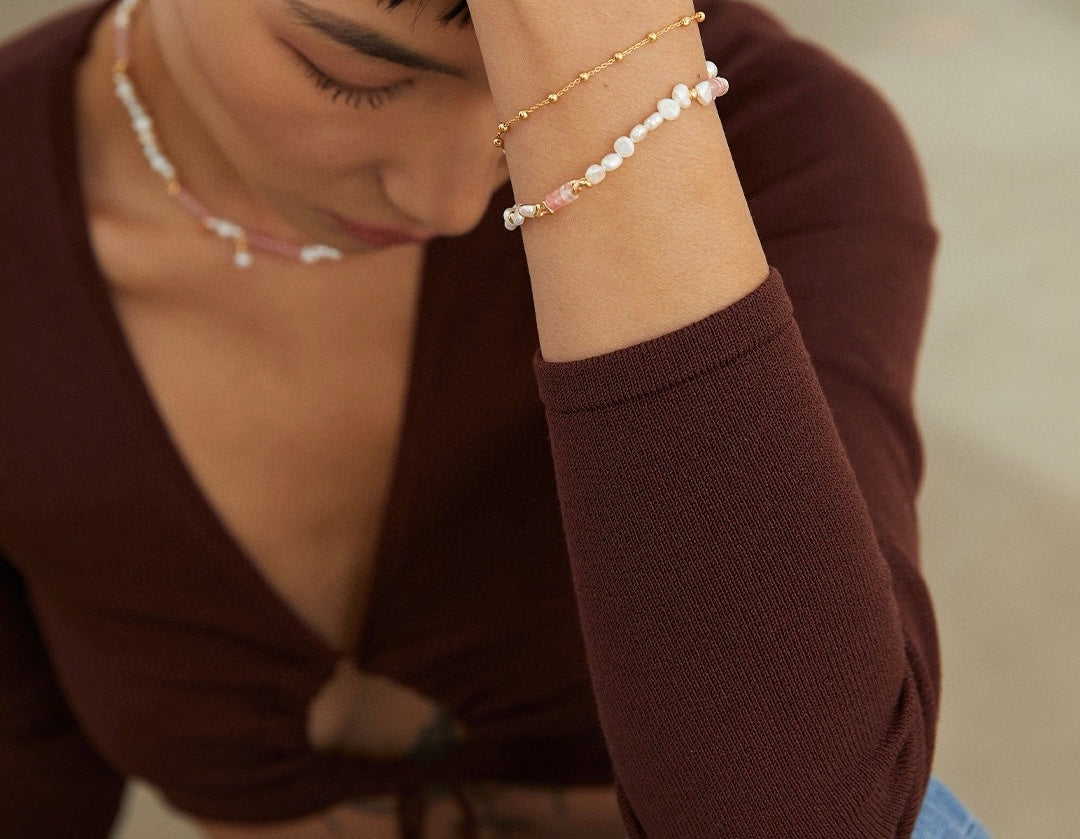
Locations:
(291, 136)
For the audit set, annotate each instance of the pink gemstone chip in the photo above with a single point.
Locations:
(271, 245)
(192, 204)
(720, 86)
(123, 50)
(561, 197)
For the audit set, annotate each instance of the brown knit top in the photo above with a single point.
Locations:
(688, 568)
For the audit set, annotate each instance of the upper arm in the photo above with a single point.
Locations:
(841, 208)
(53, 785)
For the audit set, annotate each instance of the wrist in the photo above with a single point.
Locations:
(532, 48)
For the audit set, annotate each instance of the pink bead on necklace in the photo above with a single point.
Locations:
(244, 241)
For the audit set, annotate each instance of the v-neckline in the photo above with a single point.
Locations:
(161, 439)
(219, 536)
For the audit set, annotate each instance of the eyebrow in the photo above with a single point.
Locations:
(365, 40)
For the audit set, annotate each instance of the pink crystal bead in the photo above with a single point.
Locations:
(276, 246)
(192, 204)
(123, 51)
(561, 197)
(720, 86)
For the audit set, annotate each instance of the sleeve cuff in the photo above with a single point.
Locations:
(660, 363)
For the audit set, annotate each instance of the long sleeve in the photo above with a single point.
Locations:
(53, 785)
(738, 497)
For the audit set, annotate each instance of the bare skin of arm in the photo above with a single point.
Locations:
(667, 239)
(666, 242)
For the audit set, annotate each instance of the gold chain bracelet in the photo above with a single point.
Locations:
(552, 98)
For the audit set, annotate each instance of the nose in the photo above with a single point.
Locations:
(444, 175)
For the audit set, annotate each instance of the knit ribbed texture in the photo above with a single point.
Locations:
(741, 628)
(688, 567)
(663, 362)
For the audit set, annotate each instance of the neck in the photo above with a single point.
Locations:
(184, 132)
(122, 194)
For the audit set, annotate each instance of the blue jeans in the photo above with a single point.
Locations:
(943, 817)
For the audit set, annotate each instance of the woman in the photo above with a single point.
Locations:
(328, 514)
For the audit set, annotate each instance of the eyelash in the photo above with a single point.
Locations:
(349, 95)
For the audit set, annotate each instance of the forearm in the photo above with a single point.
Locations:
(760, 645)
(667, 239)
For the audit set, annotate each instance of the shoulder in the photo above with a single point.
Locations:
(37, 71)
(37, 99)
(40, 205)
(36, 51)
(813, 141)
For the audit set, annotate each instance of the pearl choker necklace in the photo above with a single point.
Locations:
(244, 241)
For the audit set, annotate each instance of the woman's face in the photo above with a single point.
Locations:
(316, 126)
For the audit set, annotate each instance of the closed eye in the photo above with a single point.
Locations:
(348, 94)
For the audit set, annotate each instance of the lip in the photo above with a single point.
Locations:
(381, 236)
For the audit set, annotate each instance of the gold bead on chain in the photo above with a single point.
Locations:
(552, 98)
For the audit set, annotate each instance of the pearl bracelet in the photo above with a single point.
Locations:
(667, 110)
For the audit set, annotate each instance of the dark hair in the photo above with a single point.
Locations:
(460, 7)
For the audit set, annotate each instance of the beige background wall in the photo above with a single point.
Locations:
(988, 89)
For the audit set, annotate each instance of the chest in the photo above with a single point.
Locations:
(287, 413)
(282, 388)
(291, 446)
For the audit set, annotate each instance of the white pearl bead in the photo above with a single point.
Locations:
(654, 121)
(704, 93)
(143, 124)
(611, 162)
(224, 229)
(243, 259)
(313, 253)
(712, 69)
(681, 94)
(509, 225)
(669, 109)
(624, 147)
(595, 173)
(638, 133)
(162, 166)
(528, 210)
